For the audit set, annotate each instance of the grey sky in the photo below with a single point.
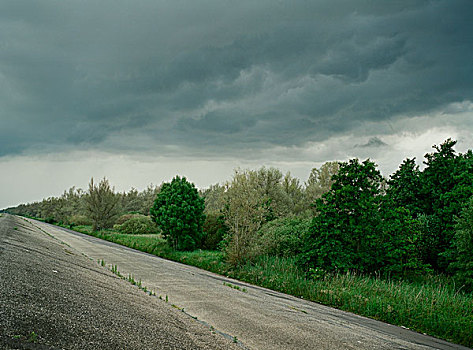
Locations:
(114, 84)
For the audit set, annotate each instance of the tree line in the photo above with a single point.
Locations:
(345, 217)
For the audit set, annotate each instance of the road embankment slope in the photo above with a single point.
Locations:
(54, 297)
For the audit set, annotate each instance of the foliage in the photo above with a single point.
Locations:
(125, 217)
(78, 219)
(294, 192)
(345, 234)
(138, 225)
(214, 198)
(359, 229)
(215, 230)
(245, 211)
(282, 237)
(401, 235)
(463, 244)
(253, 198)
(404, 187)
(319, 182)
(447, 184)
(101, 204)
(178, 211)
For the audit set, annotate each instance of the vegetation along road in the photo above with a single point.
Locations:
(192, 308)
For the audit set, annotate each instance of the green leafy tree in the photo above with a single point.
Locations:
(179, 211)
(101, 204)
(345, 233)
(245, 211)
(404, 187)
(400, 235)
(214, 197)
(447, 184)
(463, 243)
(147, 197)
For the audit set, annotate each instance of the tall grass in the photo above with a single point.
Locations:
(432, 305)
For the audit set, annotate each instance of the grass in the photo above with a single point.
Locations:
(130, 278)
(432, 305)
(235, 287)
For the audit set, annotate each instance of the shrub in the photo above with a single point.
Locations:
(282, 237)
(214, 230)
(101, 203)
(121, 220)
(50, 220)
(138, 225)
(80, 220)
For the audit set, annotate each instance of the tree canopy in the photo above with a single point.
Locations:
(179, 211)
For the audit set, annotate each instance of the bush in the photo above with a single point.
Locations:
(121, 220)
(138, 225)
(50, 220)
(80, 220)
(282, 237)
(179, 211)
(214, 230)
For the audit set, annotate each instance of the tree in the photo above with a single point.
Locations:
(463, 243)
(447, 184)
(294, 192)
(404, 187)
(147, 197)
(269, 183)
(245, 211)
(101, 204)
(319, 182)
(214, 197)
(400, 235)
(345, 235)
(179, 211)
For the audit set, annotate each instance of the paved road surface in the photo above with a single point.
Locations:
(53, 297)
(259, 318)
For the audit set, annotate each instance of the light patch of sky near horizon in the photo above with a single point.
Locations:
(37, 177)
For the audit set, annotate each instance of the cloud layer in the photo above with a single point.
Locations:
(219, 79)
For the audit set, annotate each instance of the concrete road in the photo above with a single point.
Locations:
(53, 297)
(259, 318)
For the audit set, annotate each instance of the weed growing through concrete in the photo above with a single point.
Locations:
(235, 287)
(130, 278)
(33, 338)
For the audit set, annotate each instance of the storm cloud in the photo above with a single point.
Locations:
(213, 77)
(286, 82)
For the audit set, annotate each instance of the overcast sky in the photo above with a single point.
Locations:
(139, 91)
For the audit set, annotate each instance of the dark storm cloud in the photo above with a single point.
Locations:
(218, 76)
(374, 142)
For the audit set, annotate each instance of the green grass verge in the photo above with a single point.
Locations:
(433, 306)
